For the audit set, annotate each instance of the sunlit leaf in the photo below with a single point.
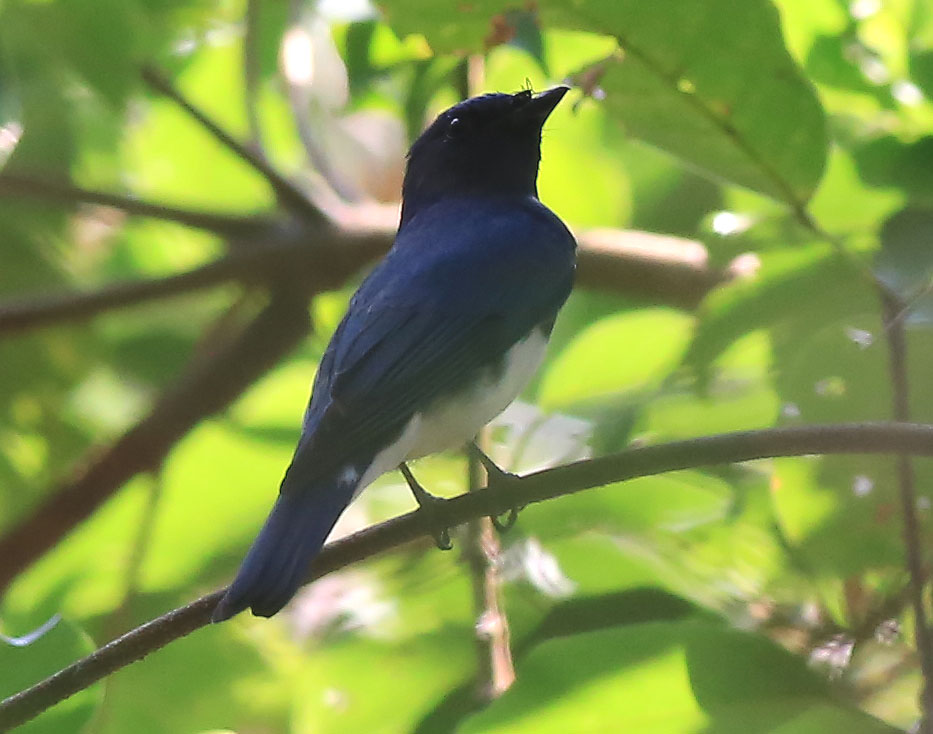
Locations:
(619, 355)
(717, 88)
(664, 677)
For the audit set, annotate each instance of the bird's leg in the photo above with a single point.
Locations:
(497, 478)
(427, 503)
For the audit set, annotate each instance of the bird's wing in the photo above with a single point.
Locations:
(387, 362)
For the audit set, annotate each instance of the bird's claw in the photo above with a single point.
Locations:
(503, 526)
(428, 504)
(497, 480)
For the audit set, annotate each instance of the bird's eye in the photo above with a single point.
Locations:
(524, 95)
(454, 127)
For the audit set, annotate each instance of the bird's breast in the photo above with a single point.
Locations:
(453, 420)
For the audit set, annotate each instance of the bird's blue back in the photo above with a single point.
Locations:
(465, 280)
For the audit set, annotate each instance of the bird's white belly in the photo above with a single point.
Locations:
(451, 422)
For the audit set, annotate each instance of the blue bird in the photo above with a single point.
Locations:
(438, 340)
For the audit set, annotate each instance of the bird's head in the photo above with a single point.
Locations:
(488, 145)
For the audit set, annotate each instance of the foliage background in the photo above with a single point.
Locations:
(766, 137)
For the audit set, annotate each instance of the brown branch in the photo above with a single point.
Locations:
(851, 438)
(913, 544)
(893, 312)
(481, 550)
(251, 74)
(632, 263)
(228, 225)
(289, 195)
(207, 388)
(38, 311)
(320, 262)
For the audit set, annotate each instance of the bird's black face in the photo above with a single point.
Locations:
(488, 145)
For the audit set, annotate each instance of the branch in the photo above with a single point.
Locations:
(481, 550)
(38, 311)
(251, 72)
(319, 262)
(658, 269)
(897, 355)
(209, 387)
(852, 438)
(228, 225)
(289, 195)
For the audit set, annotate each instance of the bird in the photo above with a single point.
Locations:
(440, 337)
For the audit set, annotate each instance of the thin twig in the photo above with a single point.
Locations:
(894, 312)
(251, 77)
(38, 311)
(289, 195)
(481, 550)
(228, 225)
(852, 438)
(913, 543)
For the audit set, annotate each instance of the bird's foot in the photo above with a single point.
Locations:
(428, 504)
(498, 479)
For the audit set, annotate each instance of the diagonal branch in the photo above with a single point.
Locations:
(228, 225)
(209, 387)
(850, 438)
(251, 73)
(38, 311)
(319, 262)
(289, 195)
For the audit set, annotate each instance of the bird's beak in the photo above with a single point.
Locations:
(541, 105)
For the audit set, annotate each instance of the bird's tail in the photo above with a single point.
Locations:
(275, 566)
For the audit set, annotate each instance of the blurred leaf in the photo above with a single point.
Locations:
(905, 261)
(887, 162)
(921, 70)
(522, 30)
(736, 395)
(717, 89)
(788, 286)
(110, 63)
(830, 62)
(620, 355)
(674, 502)
(709, 678)
(457, 28)
(22, 666)
(841, 512)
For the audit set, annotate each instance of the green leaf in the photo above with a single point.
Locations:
(661, 677)
(737, 395)
(905, 261)
(21, 667)
(921, 70)
(788, 286)
(621, 356)
(448, 28)
(716, 88)
(888, 162)
(674, 503)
